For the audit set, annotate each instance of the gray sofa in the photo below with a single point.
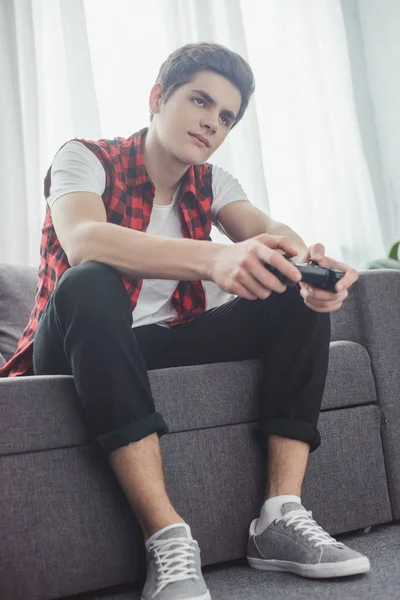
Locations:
(66, 527)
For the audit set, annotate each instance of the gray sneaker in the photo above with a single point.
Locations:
(295, 543)
(174, 567)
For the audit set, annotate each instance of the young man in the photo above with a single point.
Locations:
(130, 281)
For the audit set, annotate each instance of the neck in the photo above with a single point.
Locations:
(164, 170)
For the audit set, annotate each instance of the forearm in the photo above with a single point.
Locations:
(297, 242)
(260, 223)
(244, 221)
(139, 255)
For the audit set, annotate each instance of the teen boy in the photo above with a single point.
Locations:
(129, 281)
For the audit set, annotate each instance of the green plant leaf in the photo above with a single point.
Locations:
(394, 251)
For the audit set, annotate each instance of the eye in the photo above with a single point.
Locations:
(227, 121)
(198, 100)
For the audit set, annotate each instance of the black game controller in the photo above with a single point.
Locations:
(324, 278)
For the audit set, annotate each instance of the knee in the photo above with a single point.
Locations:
(86, 278)
(92, 284)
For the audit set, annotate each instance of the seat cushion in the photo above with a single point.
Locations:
(42, 412)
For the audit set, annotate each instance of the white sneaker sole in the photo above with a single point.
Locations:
(354, 566)
(205, 596)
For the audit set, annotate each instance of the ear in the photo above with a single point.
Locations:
(156, 97)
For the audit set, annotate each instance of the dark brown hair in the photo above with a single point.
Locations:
(181, 66)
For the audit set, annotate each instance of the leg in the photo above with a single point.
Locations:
(86, 331)
(286, 466)
(286, 537)
(296, 365)
(293, 342)
(138, 468)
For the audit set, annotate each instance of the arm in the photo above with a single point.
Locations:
(241, 220)
(80, 223)
(79, 219)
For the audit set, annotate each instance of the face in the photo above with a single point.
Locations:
(207, 107)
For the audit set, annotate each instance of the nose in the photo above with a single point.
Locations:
(210, 122)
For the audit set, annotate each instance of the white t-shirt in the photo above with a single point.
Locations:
(76, 169)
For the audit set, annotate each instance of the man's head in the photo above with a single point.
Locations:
(201, 89)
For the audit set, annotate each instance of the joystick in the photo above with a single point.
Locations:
(324, 278)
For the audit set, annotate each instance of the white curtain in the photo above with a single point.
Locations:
(84, 68)
(317, 175)
(47, 97)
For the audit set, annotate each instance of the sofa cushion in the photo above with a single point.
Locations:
(43, 411)
(17, 298)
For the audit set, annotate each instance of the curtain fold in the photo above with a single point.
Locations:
(48, 97)
(20, 173)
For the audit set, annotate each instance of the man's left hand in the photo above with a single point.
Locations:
(321, 300)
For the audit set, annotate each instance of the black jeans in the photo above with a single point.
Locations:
(86, 330)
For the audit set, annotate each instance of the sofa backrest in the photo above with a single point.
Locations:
(17, 298)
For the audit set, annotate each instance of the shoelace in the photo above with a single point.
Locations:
(310, 528)
(179, 551)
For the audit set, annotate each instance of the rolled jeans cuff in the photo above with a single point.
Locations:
(133, 432)
(289, 428)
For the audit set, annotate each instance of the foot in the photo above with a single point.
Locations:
(174, 567)
(295, 543)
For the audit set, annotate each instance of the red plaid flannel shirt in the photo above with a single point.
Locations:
(128, 199)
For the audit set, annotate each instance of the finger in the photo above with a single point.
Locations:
(350, 274)
(321, 304)
(317, 252)
(324, 261)
(243, 292)
(323, 295)
(308, 297)
(274, 284)
(285, 245)
(280, 242)
(323, 310)
(266, 279)
(347, 281)
(283, 265)
(302, 257)
(261, 289)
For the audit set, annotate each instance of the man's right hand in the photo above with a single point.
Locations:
(240, 268)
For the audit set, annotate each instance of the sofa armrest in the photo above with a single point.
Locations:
(371, 308)
(379, 317)
(378, 294)
(371, 317)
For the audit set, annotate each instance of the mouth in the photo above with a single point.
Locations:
(200, 140)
